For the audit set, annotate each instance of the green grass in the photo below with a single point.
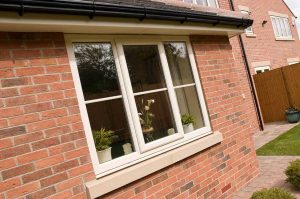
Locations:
(287, 144)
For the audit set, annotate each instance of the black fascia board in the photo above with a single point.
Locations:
(91, 9)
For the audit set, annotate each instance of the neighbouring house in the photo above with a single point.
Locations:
(124, 99)
(272, 41)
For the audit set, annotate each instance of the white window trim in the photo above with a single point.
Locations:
(262, 68)
(135, 157)
(280, 36)
(292, 61)
(246, 10)
(208, 3)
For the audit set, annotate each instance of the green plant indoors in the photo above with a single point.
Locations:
(187, 119)
(103, 138)
(273, 193)
(293, 173)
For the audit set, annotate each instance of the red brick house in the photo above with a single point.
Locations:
(155, 84)
(272, 41)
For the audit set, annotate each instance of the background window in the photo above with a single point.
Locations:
(262, 69)
(248, 30)
(293, 62)
(212, 3)
(281, 27)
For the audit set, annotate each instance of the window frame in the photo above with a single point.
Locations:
(262, 68)
(248, 32)
(281, 27)
(140, 154)
(207, 1)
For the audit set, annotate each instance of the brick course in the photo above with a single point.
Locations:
(47, 155)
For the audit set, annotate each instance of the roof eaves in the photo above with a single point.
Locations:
(92, 8)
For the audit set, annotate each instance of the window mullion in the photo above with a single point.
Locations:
(171, 90)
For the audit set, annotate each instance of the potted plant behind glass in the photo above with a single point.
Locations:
(146, 117)
(292, 115)
(103, 139)
(188, 122)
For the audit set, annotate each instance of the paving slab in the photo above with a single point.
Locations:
(271, 167)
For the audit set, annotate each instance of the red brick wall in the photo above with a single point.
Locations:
(264, 47)
(43, 151)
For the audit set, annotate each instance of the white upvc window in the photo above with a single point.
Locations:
(281, 27)
(262, 69)
(141, 89)
(211, 3)
(293, 62)
(249, 30)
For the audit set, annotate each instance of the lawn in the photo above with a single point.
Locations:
(287, 144)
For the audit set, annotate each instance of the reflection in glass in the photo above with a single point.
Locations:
(97, 70)
(213, 3)
(155, 115)
(189, 105)
(179, 63)
(144, 67)
(202, 2)
(110, 117)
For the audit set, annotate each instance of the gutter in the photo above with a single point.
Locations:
(249, 77)
(93, 9)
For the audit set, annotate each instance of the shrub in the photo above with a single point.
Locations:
(273, 193)
(293, 173)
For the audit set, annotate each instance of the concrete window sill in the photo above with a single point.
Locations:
(112, 182)
(251, 35)
(284, 39)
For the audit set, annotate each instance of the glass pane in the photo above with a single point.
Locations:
(155, 115)
(97, 70)
(108, 122)
(188, 1)
(144, 66)
(274, 26)
(280, 33)
(287, 26)
(213, 3)
(189, 106)
(179, 63)
(201, 2)
(284, 33)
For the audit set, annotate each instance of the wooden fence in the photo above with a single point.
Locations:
(277, 90)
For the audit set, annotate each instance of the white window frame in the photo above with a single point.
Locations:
(281, 27)
(250, 30)
(293, 62)
(262, 68)
(160, 146)
(207, 1)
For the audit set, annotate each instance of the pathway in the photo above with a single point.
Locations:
(271, 167)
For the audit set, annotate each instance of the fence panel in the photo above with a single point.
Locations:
(292, 81)
(272, 95)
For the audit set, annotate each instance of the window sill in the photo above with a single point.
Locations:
(251, 35)
(112, 182)
(284, 39)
